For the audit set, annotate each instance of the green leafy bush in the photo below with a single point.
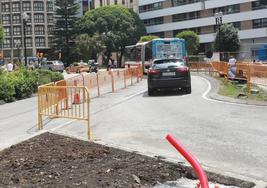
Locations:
(7, 89)
(47, 76)
(22, 83)
(25, 83)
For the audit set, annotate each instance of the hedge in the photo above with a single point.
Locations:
(23, 83)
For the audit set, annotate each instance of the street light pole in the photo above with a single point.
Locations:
(218, 19)
(25, 18)
(17, 45)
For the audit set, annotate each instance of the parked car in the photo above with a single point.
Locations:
(169, 74)
(78, 68)
(52, 65)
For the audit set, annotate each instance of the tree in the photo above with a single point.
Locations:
(1, 34)
(87, 47)
(227, 39)
(65, 33)
(191, 40)
(117, 26)
(148, 38)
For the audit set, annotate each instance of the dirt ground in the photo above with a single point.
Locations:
(51, 160)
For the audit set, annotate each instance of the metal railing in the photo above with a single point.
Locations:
(72, 102)
(70, 98)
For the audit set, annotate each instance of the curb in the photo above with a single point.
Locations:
(212, 93)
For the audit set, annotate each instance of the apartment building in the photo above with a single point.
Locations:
(38, 28)
(132, 4)
(166, 18)
(84, 5)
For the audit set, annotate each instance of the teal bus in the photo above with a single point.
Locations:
(161, 48)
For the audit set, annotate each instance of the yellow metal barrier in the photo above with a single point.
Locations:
(72, 102)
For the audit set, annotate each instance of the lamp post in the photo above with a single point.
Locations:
(17, 45)
(218, 19)
(25, 18)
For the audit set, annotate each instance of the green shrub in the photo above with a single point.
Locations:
(25, 83)
(56, 76)
(7, 89)
(47, 76)
(22, 83)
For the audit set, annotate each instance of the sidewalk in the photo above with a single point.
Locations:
(18, 120)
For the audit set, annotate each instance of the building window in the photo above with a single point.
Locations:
(17, 43)
(151, 7)
(183, 2)
(50, 41)
(228, 9)
(237, 25)
(5, 7)
(15, 7)
(7, 43)
(40, 42)
(26, 6)
(38, 18)
(6, 19)
(186, 16)
(197, 30)
(39, 30)
(262, 4)
(38, 6)
(50, 30)
(115, 2)
(29, 30)
(29, 42)
(259, 23)
(16, 31)
(50, 18)
(50, 6)
(16, 19)
(153, 21)
(7, 31)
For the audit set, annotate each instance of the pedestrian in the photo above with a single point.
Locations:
(232, 68)
(109, 64)
(9, 67)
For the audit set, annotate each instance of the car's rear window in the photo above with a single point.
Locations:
(159, 64)
(161, 61)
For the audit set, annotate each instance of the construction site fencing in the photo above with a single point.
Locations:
(70, 98)
(251, 73)
(72, 102)
(200, 66)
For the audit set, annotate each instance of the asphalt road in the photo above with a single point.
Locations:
(226, 138)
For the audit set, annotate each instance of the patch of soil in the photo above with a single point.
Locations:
(56, 161)
(51, 160)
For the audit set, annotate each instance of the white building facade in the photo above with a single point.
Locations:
(166, 18)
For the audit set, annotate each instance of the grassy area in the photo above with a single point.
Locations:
(236, 90)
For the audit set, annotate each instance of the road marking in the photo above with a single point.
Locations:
(204, 95)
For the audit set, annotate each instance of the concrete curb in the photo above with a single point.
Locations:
(213, 93)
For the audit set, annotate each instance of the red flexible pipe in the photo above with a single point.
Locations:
(191, 159)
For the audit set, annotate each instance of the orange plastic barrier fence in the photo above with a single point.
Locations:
(76, 103)
(200, 66)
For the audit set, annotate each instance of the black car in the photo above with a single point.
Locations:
(169, 74)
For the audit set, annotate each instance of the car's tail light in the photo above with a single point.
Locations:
(182, 69)
(153, 72)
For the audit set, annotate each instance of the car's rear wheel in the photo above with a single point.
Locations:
(150, 91)
(188, 90)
